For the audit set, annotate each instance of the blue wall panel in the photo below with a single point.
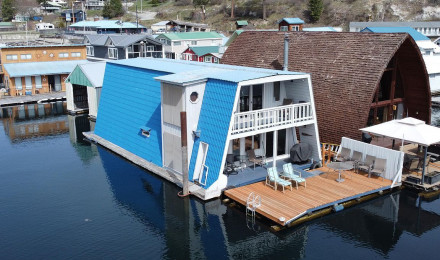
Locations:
(215, 115)
(130, 100)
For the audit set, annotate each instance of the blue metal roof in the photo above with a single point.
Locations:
(107, 24)
(292, 20)
(414, 34)
(23, 69)
(190, 71)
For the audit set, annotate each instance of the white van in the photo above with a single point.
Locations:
(44, 26)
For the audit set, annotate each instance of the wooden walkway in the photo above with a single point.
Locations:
(322, 191)
(19, 100)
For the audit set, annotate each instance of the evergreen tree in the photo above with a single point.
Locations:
(315, 7)
(7, 10)
(112, 8)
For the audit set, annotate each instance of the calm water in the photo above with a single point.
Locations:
(62, 198)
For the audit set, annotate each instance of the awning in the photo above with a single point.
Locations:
(23, 69)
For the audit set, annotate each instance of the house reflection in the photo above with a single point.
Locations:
(34, 120)
(79, 124)
(191, 228)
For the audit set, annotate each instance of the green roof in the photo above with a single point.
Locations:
(189, 36)
(233, 36)
(6, 24)
(203, 50)
(242, 23)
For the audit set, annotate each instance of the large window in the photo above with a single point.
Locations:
(113, 53)
(90, 51)
(150, 48)
(177, 43)
(208, 59)
(76, 54)
(12, 57)
(63, 55)
(25, 56)
(284, 28)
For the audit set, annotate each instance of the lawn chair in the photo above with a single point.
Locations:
(289, 172)
(254, 159)
(272, 176)
(344, 155)
(367, 164)
(379, 167)
(356, 158)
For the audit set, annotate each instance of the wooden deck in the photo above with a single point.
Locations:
(322, 191)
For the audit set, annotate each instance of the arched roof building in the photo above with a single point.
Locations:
(358, 79)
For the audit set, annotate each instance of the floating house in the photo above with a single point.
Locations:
(83, 88)
(115, 47)
(30, 70)
(230, 109)
(359, 79)
(210, 54)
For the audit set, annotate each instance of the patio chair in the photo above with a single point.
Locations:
(344, 155)
(379, 167)
(356, 158)
(367, 164)
(254, 159)
(412, 164)
(272, 176)
(231, 167)
(290, 173)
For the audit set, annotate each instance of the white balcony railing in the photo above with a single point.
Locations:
(263, 120)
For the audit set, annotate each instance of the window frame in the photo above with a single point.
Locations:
(90, 50)
(63, 55)
(114, 52)
(11, 57)
(75, 54)
(26, 56)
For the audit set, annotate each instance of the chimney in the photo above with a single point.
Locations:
(286, 52)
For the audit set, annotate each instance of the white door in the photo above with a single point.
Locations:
(57, 82)
(200, 162)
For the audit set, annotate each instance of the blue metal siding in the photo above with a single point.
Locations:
(215, 116)
(130, 100)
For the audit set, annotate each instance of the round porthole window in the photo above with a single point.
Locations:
(194, 97)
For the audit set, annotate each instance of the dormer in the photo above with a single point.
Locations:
(290, 24)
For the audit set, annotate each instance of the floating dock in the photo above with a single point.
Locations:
(20, 100)
(322, 192)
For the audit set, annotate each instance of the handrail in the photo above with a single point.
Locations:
(271, 117)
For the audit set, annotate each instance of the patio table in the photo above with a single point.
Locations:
(341, 166)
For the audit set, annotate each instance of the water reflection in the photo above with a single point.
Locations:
(78, 124)
(34, 120)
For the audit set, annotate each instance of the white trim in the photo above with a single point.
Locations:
(274, 78)
(315, 118)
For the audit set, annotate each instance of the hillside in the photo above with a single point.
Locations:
(336, 12)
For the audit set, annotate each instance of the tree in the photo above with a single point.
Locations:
(112, 8)
(7, 10)
(264, 10)
(201, 4)
(315, 7)
(232, 8)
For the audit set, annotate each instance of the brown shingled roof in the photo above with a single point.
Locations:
(345, 68)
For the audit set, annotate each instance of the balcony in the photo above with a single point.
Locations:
(271, 119)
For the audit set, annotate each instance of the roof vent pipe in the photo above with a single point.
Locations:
(286, 52)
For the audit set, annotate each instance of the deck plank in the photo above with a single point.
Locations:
(321, 190)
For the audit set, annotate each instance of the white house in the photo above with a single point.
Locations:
(176, 43)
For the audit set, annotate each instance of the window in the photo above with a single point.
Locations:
(130, 48)
(38, 82)
(177, 43)
(194, 97)
(276, 90)
(25, 56)
(208, 59)
(12, 57)
(90, 51)
(76, 54)
(283, 28)
(193, 42)
(113, 53)
(63, 55)
(215, 60)
(295, 28)
(150, 48)
(18, 84)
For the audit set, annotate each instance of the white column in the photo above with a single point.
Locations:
(126, 53)
(275, 145)
(230, 150)
(242, 146)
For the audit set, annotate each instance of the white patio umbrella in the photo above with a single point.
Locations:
(408, 129)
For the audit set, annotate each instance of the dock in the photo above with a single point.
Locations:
(322, 191)
(29, 99)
